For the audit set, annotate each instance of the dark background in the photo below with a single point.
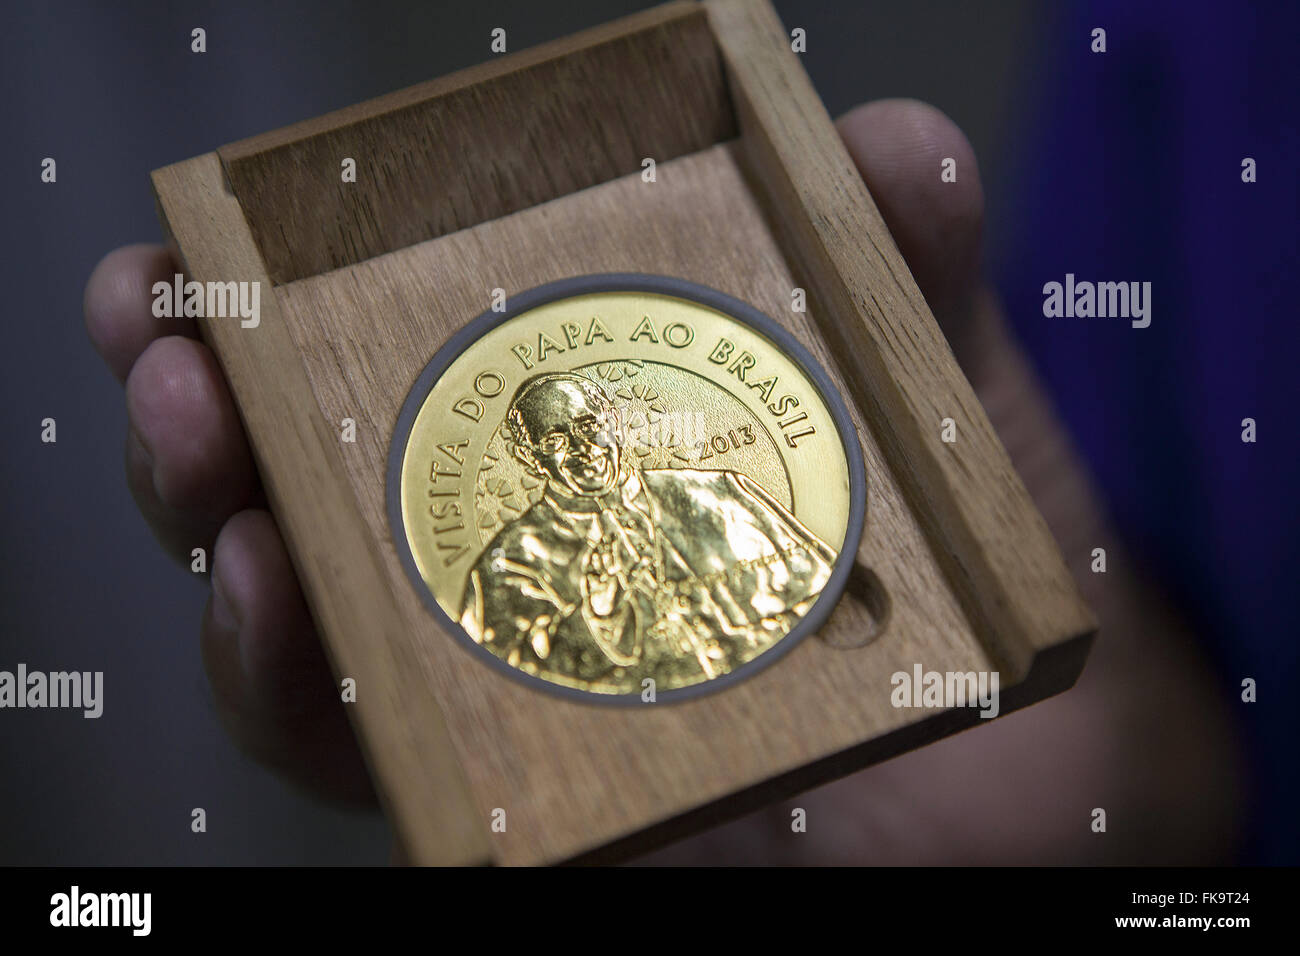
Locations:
(1123, 167)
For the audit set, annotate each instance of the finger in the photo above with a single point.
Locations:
(270, 678)
(118, 305)
(187, 460)
(899, 147)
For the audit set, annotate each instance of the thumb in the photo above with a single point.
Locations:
(900, 148)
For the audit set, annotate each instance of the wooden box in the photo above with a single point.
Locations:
(527, 169)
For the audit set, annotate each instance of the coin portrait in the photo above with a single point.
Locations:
(626, 482)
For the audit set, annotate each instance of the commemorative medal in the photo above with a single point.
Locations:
(625, 482)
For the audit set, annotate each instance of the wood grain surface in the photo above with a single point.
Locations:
(573, 776)
(400, 725)
(996, 547)
(477, 144)
(956, 571)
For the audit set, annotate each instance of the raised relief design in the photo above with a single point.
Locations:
(622, 486)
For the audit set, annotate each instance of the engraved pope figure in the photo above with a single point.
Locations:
(620, 573)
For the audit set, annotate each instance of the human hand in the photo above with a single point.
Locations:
(1143, 734)
(192, 474)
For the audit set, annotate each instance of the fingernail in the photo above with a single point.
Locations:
(223, 612)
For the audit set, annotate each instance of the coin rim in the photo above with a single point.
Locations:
(634, 282)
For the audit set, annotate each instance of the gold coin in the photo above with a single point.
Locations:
(626, 486)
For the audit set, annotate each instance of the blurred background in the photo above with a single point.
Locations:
(1123, 167)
